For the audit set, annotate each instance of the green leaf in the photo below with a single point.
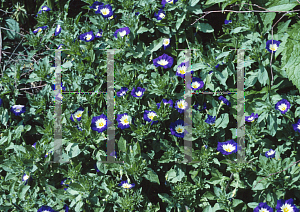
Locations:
(165, 198)
(142, 29)
(23, 191)
(238, 30)
(236, 202)
(193, 2)
(213, 1)
(197, 66)
(197, 9)
(180, 20)
(152, 176)
(19, 131)
(272, 124)
(67, 64)
(122, 144)
(251, 80)
(283, 7)
(204, 27)
(19, 148)
(262, 75)
(155, 45)
(73, 150)
(39, 129)
(13, 25)
(253, 204)
(222, 121)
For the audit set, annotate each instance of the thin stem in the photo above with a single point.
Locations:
(12, 30)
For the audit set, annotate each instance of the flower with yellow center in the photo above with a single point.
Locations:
(105, 11)
(162, 62)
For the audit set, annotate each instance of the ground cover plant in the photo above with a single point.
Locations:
(149, 84)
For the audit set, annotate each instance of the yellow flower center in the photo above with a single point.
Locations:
(39, 30)
(105, 11)
(88, 37)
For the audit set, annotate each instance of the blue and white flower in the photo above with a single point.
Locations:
(182, 68)
(77, 114)
(122, 32)
(34, 145)
(166, 43)
(270, 153)
(272, 47)
(25, 177)
(286, 206)
(87, 37)
(126, 185)
(105, 11)
(160, 14)
(263, 207)
(1, 101)
(124, 120)
(122, 92)
(177, 128)
(251, 118)
(210, 119)
(39, 29)
(296, 126)
(224, 101)
(45, 8)
(61, 85)
(100, 123)
(197, 106)
(164, 61)
(283, 106)
(57, 30)
(45, 208)
(165, 103)
(18, 109)
(95, 6)
(181, 105)
(139, 92)
(59, 47)
(227, 147)
(65, 183)
(197, 83)
(149, 115)
(227, 21)
(48, 154)
(164, 2)
(99, 33)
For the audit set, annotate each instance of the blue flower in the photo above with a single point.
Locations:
(99, 34)
(166, 102)
(251, 118)
(57, 30)
(18, 109)
(181, 69)
(95, 166)
(122, 32)
(96, 6)
(149, 115)
(45, 8)
(224, 101)
(59, 47)
(25, 177)
(160, 14)
(177, 128)
(181, 105)
(197, 83)
(33, 145)
(227, 147)
(166, 43)
(270, 153)
(227, 21)
(126, 185)
(205, 146)
(137, 13)
(77, 114)
(100, 123)
(61, 85)
(1, 101)
(286, 206)
(164, 2)
(114, 154)
(87, 37)
(210, 72)
(105, 11)
(122, 92)
(39, 29)
(296, 126)
(48, 154)
(164, 61)
(66, 207)
(283, 106)
(45, 209)
(197, 106)
(210, 120)
(272, 47)
(217, 66)
(139, 92)
(263, 207)
(79, 127)
(124, 121)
